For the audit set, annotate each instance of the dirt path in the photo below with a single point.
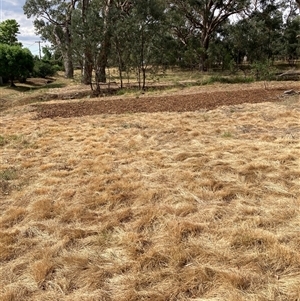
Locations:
(168, 103)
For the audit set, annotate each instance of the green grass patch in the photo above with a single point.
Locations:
(3, 141)
(228, 80)
(15, 141)
(8, 174)
(227, 135)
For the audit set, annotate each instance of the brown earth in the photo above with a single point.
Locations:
(202, 99)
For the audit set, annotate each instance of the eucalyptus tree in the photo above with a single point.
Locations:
(224, 51)
(86, 28)
(291, 38)
(53, 23)
(121, 46)
(204, 17)
(139, 38)
(94, 24)
(261, 30)
(145, 34)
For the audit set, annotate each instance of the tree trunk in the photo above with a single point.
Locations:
(144, 78)
(68, 59)
(66, 50)
(87, 69)
(12, 84)
(101, 72)
(204, 54)
(204, 61)
(105, 45)
(68, 65)
(100, 69)
(120, 61)
(102, 59)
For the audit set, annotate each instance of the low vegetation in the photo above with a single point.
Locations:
(198, 205)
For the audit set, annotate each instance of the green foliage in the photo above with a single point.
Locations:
(53, 22)
(141, 40)
(263, 70)
(227, 135)
(3, 141)
(201, 19)
(140, 36)
(291, 41)
(227, 80)
(15, 62)
(8, 174)
(43, 69)
(8, 32)
(47, 55)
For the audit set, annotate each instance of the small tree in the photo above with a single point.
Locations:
(15, 62)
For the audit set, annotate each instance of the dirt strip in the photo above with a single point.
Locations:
(171, 103)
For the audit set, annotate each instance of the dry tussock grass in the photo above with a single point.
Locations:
(164, 206)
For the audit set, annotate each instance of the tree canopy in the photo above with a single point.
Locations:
(143, 34)
(8, 32)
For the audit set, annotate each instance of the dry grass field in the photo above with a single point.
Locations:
(163, 206)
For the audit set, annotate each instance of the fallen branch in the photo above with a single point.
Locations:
(290, 74)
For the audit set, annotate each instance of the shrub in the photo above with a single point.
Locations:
(228, 80)
(43, 69)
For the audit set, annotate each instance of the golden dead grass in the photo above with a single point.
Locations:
(164, 206)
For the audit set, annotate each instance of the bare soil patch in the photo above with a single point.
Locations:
(194, 101)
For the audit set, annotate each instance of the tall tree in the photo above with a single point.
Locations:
(291, 41)
(143, 34)
(8, 32)
(53, 23)
(102, 57)
(203, 17)
(93, 27)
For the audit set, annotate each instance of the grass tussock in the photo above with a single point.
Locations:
(164, 206)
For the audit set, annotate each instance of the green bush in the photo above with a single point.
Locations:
(228, 80)
(263, 70)
(15, 62)
(43, 69)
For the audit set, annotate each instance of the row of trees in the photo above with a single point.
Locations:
(139, 34)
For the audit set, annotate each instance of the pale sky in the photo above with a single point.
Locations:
(13, 9)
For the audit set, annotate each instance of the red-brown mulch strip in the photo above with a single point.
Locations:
(171, 103)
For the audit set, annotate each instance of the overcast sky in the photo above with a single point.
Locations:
(13, 9)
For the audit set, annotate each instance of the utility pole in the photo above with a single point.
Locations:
(39, 42)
